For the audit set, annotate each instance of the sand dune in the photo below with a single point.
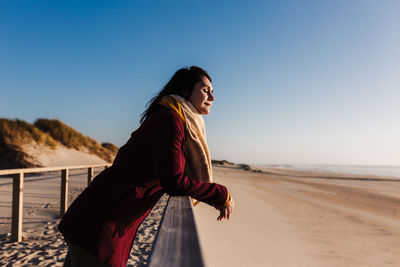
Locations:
(61, 156)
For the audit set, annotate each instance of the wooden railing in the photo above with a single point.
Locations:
(177, 243)
(18, 191)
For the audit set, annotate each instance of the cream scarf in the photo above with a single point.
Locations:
(198, 160)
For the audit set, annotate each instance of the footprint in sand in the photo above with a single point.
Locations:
(47, 205)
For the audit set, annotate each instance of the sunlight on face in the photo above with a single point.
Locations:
(202, 96)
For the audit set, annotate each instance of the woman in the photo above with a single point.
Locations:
(167, 154)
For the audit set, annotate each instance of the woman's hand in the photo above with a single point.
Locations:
(226, 211)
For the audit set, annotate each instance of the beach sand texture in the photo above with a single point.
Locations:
(42, 244)
(284, 221)
(282, 218)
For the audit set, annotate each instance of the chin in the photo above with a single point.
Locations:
(203, 110)
(206, 110)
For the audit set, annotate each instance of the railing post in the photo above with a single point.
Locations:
(64, 192)
(17, 207)
(89, 175)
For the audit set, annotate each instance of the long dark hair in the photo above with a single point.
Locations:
(182, 84)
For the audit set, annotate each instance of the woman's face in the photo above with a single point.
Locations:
(202, 96)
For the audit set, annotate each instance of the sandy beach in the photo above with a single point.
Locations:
(283, 218)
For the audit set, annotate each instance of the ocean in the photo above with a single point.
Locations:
(387, 171)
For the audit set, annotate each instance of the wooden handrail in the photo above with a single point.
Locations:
(176, 243)
(18, 191)
(49, 169)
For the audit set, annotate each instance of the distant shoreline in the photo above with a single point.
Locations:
(369, 170)
(325, 170)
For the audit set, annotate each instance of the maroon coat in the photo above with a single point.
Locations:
(105, 217)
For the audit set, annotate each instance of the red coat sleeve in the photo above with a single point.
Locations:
(169, 163)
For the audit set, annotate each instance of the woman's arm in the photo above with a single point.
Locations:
(169, 163)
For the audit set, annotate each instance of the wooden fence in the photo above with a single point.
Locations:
(18, 191)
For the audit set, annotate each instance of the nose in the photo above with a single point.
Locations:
(211, 97)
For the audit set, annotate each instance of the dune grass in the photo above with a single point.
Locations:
(221, 162)
(71, 138)
(19, 132)
(13, 135)
(113, 148)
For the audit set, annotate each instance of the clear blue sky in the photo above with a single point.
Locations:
(295, 81)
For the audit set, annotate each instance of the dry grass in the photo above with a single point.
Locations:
(14, 134)
(71, 138)
(221, 162)
(19, 132)
(113, 148)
